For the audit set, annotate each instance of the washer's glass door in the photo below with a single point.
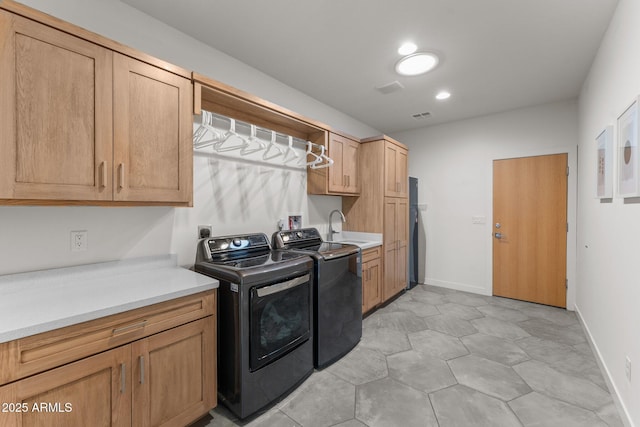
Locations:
(280, 319)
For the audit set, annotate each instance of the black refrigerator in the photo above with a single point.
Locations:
(413, 232)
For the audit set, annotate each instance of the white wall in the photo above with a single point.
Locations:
(225, 193)
(453, 163)
(609, 233)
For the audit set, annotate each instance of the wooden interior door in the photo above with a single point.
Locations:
(530, 229)
(55, 114)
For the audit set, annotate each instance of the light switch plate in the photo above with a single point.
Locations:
(478, 219)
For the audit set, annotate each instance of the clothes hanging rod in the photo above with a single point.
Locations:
(220, 142)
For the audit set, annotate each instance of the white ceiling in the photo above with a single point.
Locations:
(496, 55)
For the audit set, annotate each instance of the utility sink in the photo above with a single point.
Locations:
(362, 240)
(362, 244)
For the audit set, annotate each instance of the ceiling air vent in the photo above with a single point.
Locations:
(390, 87)
(421, 116)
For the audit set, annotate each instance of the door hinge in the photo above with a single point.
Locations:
(566, 283)
(567, 170)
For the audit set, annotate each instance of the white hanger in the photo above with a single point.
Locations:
(323, 157)
(272, 145)
(253, 138)
(206, 126)
(304, 159)
(290, 149)
(230, 135)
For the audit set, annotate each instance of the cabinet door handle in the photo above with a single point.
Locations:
(141, 369)
(103, 174)
(123, 378)
(121, 176)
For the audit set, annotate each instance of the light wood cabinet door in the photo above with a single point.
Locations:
(371, 278)
(344, 173)
(403, 172)
(402, 234)
(389, 283)
(395, 171)
(55, 114)
(94, 391)
(396, 212)
(350, 166)
(152, 133)
(174, 375)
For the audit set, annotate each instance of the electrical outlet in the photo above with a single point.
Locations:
(204, 231)
(627, 368)
(79, 240)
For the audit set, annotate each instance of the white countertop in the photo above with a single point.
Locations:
(41, 301)
(362, 240)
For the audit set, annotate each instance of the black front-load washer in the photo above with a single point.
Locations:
(265, 319)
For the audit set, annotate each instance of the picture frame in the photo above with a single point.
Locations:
(295, 222)
(628, 156)
(604, 163)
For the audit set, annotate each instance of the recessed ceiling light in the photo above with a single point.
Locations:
(407, 48)
(416, 64)
(443, 95)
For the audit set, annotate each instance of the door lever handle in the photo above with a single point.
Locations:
(498, 235)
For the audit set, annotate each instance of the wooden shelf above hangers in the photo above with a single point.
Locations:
(217, 97)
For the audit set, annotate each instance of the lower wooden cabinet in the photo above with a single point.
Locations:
(371, 279)
(165, 379)
(94, 391)
(173, 376)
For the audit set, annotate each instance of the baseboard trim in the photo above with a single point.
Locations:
(622, 409)
(458, 286)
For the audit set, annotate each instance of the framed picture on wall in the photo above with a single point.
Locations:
(604, 164)
(628, 152)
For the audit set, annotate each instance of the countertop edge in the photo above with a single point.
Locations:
(76, 294)
(108, 311)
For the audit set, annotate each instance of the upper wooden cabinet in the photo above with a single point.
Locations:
(343, 174)
(83, 124)
(341, 178)
(396, 176)
(153, 158)
(55, 114)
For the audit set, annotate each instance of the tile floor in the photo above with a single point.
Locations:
(438, 357)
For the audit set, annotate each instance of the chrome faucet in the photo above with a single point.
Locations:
(331, 230)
